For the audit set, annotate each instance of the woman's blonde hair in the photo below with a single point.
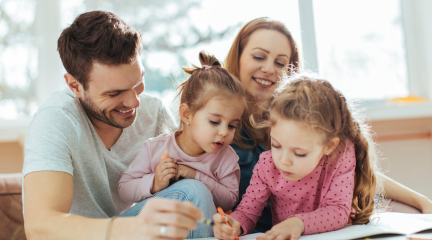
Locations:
(307, 99)
(209, 81)
(232, 61)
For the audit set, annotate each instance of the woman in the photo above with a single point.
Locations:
(262, 50)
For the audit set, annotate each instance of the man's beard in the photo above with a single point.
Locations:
(92, 110)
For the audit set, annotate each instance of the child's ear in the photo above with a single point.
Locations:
(334, 142)
(184, 112)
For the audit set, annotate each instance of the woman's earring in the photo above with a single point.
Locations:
(187, 123)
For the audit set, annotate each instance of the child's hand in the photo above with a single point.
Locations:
(165, 170)
(292, 229)
(222, 230)
(185, 172)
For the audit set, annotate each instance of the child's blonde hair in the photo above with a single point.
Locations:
(209, 81)
(307, 99)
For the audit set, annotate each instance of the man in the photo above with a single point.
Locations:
(83, 138)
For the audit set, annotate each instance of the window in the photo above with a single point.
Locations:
(361, 47)
(18, 58)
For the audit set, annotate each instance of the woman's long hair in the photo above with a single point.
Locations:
(232, 64)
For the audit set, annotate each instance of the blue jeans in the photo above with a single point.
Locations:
(185, 190)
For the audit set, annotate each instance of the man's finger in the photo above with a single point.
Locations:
(167, 205)
(168, 232)
(176, 220)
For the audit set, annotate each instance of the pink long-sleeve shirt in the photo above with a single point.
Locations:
(322, 199)
(219, 171)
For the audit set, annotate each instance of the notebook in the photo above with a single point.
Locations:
(381, 223)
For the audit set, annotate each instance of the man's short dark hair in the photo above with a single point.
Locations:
(100, 37)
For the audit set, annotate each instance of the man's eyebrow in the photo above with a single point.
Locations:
(123, 90)
(267, 51)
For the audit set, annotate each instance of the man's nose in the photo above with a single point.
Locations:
(131, 99)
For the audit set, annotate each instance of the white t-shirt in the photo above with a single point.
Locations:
(62, 138)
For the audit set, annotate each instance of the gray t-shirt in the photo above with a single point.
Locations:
(62, 138)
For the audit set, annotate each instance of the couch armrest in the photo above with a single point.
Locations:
(11, 214)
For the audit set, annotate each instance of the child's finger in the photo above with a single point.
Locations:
(167, 171)
(164, 155)
(224, 231)
(168, 176)
(168, 160)
(295, 236)
(219, 218)
(169, 165)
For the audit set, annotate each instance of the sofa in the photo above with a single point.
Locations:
(11, 216)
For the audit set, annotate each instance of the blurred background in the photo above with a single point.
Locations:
(378, 53)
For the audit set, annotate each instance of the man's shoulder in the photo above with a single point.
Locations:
(149, 103)
(61, 101)
(62, 110)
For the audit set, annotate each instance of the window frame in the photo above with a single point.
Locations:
(415, 16)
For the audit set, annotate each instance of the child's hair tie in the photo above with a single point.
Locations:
(207, 67)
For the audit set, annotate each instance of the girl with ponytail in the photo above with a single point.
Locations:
(320, 171)
(212, 103)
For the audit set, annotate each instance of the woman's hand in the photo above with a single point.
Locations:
(222, 230)
(184, 172)
(165, 170)
(292, 229)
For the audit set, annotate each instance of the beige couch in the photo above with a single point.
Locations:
(11, 217)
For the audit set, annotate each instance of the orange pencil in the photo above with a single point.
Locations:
(221, 212)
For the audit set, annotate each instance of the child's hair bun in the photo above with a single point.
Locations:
(208, 60)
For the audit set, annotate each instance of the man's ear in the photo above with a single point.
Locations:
(334, 142)
(184, 112)
(74, 85)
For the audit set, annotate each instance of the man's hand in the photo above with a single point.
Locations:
(292, 229)
(165, 170)
(159, 219)
(185, 172)
(222, 230)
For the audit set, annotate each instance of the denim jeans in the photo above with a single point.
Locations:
(185, 190)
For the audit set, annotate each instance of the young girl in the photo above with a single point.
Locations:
(211, 106)
(319, 173)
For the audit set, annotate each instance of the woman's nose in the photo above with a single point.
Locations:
(268, 68)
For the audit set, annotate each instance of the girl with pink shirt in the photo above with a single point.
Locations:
(196, 162)
(320, 171)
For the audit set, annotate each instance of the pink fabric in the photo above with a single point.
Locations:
(220, 171)
(321, 199)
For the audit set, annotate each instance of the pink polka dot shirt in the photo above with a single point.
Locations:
(322, 199)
